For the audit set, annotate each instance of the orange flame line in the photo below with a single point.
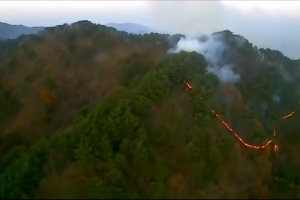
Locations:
(291, 113)
(239, 138)
(276, 148)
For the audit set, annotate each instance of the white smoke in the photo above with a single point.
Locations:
(225, 73)
(276, 98)
(212, 49)
(262, 24)
(277, 95)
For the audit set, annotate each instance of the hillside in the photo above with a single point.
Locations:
(8, 31)
(87, 111)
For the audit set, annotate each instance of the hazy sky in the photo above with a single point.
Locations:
(273, 24)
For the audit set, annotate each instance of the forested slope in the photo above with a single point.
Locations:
(90, 112)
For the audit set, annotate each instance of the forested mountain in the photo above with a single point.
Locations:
(87, 111)
(8, 31)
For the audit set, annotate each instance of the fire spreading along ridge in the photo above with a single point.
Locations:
(276, 148)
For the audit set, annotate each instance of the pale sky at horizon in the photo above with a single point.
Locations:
(30, 11)
(273, 24)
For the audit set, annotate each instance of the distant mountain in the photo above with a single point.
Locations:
(9, 31)
(132, 28)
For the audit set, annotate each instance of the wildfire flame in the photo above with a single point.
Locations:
(276, 148)
(291, 113)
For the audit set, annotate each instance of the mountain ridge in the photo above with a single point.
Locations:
(132, 28)
(9, 31)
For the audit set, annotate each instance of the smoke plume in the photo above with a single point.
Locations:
(212, 48)
(266, 28)
(277, 96)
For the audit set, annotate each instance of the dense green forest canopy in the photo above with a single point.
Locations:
(87, 111)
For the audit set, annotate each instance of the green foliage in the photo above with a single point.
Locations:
(157, 84)
(50, 82)
(28, 51)
(134, 65)
(32, 76)
(7, 103)
(10, 156)
(19, 182)
(13, 63)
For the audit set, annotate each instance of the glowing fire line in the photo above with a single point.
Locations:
(276, 148)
